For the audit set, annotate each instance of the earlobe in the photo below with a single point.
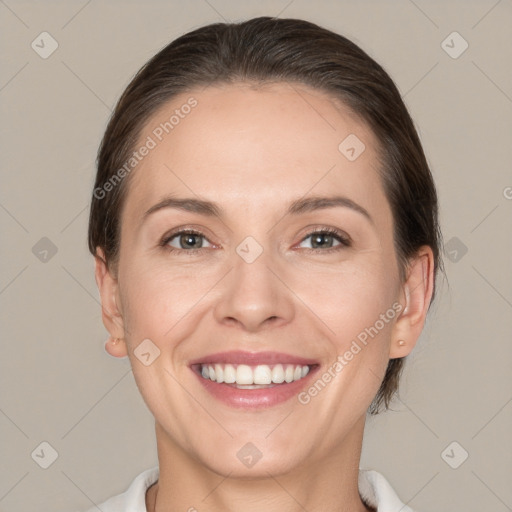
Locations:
(416, 296)
(116, 347)
(111, 314)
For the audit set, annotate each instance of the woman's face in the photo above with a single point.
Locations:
(254, 173)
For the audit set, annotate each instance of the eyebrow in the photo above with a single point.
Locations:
(297, 207)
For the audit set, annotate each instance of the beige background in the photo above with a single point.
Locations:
(57, 385)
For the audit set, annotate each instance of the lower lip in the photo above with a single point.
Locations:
(255, 398)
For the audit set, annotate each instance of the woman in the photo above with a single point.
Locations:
(266, 236)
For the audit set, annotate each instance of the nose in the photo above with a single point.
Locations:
(253, 296)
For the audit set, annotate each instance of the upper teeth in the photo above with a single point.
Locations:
(261, 374)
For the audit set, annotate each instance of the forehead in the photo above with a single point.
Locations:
(255, 147)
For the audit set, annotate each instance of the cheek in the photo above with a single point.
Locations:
(357, 305)
(157, 298)
(351, 299)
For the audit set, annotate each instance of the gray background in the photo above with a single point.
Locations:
(57, 385)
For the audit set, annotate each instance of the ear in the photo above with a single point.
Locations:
(415, 295)
(111, 313)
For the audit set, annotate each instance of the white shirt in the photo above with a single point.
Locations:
(374, 489)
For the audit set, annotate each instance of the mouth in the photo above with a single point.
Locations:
(253, 380)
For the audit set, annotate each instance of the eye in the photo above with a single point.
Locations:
(191, 241)
(326, 239)
(186, 240)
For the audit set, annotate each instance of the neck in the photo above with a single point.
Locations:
(327, 484)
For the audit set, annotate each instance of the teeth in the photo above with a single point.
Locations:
(262, 375)
(218, 374)
(278, 374)
(244, 374)
(253, 376)
(229, 374)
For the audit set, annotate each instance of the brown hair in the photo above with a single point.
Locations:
(263, 50)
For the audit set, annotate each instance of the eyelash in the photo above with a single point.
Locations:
(342, 238)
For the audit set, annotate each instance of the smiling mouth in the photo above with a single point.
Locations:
(243, 376)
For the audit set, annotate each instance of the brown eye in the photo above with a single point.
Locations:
(322, 240)
(326, 239)
(186, 240)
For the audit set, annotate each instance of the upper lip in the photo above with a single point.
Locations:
(252, 358)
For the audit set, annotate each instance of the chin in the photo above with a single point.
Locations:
(241, 458)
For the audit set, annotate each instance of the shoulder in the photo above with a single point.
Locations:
(134, 498)
(377, 492)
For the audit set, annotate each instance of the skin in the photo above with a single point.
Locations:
(253, 151)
